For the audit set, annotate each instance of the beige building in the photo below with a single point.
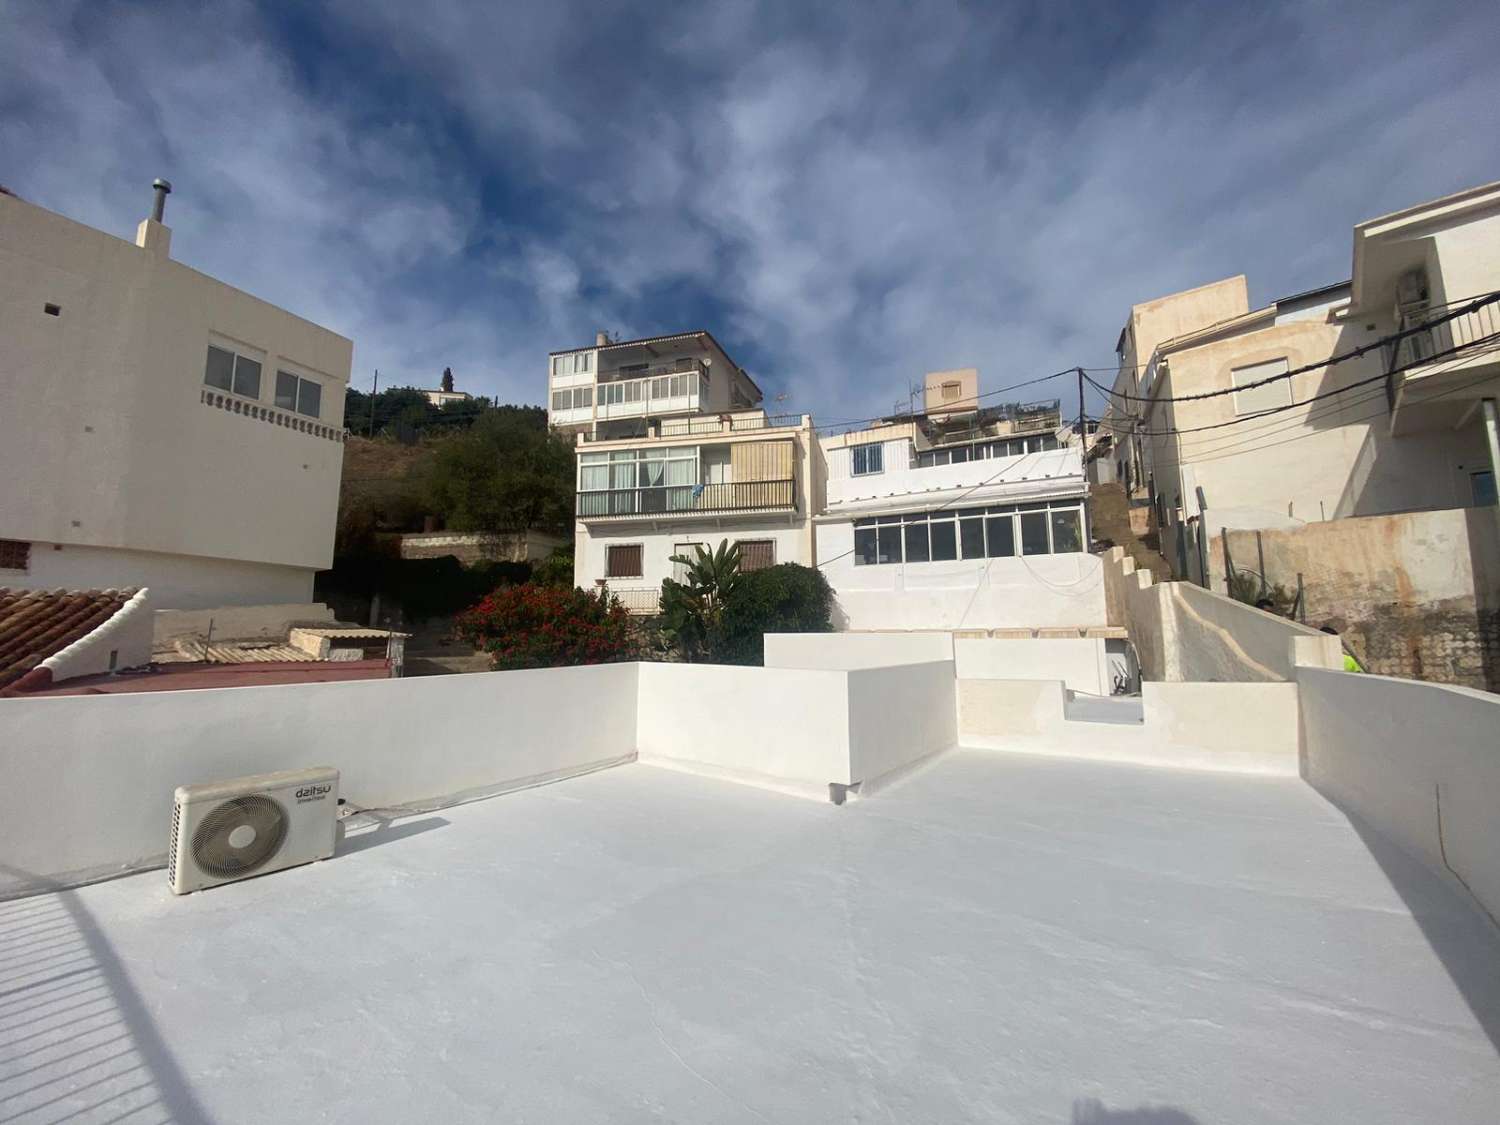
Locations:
(626, 388)
(694, 482)
(1367, 484)
(1399, 428)
(158, 427)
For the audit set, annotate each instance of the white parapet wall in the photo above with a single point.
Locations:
(1417, 762)
(1082, 663)
(788, 727)
(899, 716)
(88, 780)
(855, 650)
(1235, 728)
(798, 730)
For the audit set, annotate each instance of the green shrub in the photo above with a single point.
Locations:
(721, 614)
(556, 569)
(787, 598)
(535, 626)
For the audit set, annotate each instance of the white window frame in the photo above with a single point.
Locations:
(235, 358)
(987, 513)
(863, 447)
(639, 546)
(296, 407)
(1258, 400)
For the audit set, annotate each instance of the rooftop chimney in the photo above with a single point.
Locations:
(600, 339)
(152, 234)
(162, 190)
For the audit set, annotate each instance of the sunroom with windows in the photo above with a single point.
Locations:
(1048, 527)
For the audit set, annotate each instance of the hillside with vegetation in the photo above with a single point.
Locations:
(467, 467)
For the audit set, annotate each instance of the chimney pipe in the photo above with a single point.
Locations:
(162, 190)
(600, 339)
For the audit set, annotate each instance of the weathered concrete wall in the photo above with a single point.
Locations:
(1182, 632)
(512, 546)
(1415, 594)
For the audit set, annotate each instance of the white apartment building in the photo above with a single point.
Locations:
(695, 481)
(954, 523)
(615, 389)
(1411, 430)
(674, 455)
(158, 427)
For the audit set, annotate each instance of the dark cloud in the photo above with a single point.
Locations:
(847, 194)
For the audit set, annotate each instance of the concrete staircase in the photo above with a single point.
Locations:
(1111, 519)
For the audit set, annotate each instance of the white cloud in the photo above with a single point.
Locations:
(848, 196)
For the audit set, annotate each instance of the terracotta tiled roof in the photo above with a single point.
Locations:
(35, 624)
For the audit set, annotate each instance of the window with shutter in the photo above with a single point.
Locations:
(623, 561)
(756, 554)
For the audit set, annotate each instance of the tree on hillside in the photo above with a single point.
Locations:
(403, 405)
(506, 472)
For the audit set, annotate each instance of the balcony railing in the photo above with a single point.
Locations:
(1440, 340)
(706, 424)
(738, 423)
(681, 366)
(688, 499)
(640, 601)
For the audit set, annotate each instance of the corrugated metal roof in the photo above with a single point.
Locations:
(254, 654)
(348, 632)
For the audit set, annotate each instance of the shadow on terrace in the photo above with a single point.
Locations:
(76, 1043)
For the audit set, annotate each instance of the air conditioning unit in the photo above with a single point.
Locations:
(1411, 292)
(232, 830)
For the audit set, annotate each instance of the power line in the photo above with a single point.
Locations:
(1233, 449)
(1139, 367)
(1355, 353)
(829, 427)
(1457, 349)
(958, 500)
(1220, 453)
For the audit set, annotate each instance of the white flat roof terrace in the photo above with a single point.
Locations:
(1002, 938)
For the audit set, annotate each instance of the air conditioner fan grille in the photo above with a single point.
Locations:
(217, 846)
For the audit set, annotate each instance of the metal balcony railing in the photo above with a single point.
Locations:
(1427, 340)
(680, 366)
(639, 601)
(738, 423)
(705, 425)
(688, 499)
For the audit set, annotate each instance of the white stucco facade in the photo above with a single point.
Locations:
(158, 427)
(642, 501)
(1375, 433)
(618, 387)
(986, 544)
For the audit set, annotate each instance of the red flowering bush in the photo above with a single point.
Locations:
(547, 627)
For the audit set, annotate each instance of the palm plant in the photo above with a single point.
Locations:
(692, 611)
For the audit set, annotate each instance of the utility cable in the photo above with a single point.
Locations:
(1354, 353)
(1456, 350)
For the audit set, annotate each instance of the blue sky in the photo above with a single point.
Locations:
(847, 195)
